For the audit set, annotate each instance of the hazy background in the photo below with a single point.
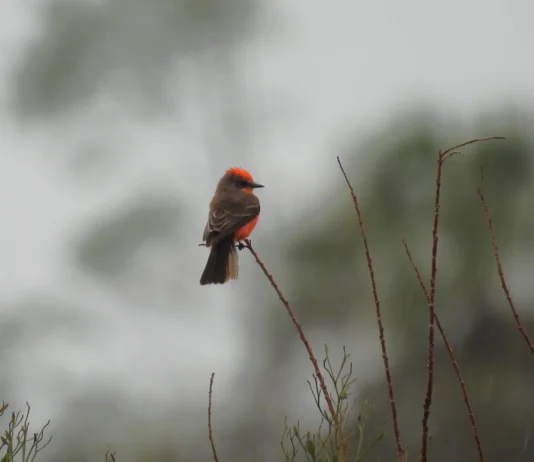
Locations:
(117, 119)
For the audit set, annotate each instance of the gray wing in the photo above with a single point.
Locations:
(227, 216)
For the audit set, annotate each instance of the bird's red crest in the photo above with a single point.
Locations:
(239, 172)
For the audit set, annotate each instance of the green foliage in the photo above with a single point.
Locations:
(326, 443)
(17, 443)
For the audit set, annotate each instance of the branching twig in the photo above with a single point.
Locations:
(110, 456)
(504, 286)
(304, 340)
(431, 315)
(210, 433)
(396, 432)
(452, 357)
(453, 151)
(442, 157)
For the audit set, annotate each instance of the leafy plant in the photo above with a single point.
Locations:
(18, 443)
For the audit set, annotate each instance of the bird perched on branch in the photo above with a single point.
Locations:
(233, 214)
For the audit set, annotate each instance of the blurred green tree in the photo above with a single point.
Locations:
(129, 45)
(328, 285)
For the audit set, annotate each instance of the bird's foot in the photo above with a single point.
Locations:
(243, 244)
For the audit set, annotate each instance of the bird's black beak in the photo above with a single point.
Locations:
(256, 185)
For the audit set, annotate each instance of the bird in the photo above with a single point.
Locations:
(233, 213)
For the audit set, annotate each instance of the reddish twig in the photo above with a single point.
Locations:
(442, 157)
(396, 432)
(307, 345)
(452, 357)
(210, 433)
(504, 286)
(431, 314)
(453, 151)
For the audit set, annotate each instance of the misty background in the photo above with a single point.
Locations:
(117, 119)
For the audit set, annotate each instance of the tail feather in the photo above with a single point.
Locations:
(222, 263)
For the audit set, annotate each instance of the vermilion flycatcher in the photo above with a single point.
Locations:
(233, 214)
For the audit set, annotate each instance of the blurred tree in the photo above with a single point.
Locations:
(135, 250)
(129, 44)
(326, 273)
(396, 190)
(179, 57)
(108, 250)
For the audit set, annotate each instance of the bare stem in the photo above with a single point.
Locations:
(307, 345)
(441, 158)
(210, 433)
(452, 356)
(504, 286)
(396, 432)
(431, 314)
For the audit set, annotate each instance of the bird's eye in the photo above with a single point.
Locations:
(242, 183)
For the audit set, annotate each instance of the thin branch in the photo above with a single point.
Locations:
(452, 356)
(396, 432)
(110, 456)
(304, 340)
(431, 314)
(441, 158)
(210, 433)
(452, 151)
(504, 286)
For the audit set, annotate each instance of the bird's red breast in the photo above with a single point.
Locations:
(244, 231)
